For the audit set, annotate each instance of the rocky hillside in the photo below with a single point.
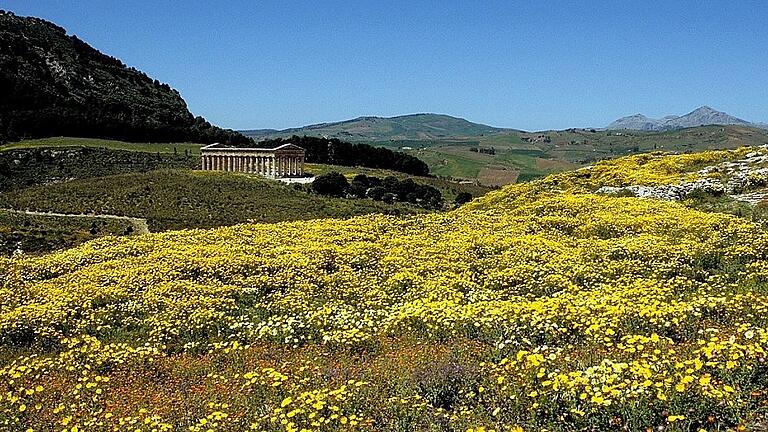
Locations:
(702, 116)
(52, 84)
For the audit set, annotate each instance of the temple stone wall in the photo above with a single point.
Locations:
(284, 161)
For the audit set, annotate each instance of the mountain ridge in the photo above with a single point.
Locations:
(701, 116)
(55, 84)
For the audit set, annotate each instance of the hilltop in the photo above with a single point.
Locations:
(371, 128)
(702, 116)
(544, 305)
(54, 84)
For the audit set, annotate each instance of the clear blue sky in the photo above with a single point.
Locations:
(529, 65)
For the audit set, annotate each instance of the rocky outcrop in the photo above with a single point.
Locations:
(737, 179)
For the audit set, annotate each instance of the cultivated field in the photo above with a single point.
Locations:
(541, 306)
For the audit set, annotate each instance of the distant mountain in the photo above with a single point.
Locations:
(406, 127)
(54, 84)
(702, 116)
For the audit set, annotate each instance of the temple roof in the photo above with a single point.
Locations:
(220, 146)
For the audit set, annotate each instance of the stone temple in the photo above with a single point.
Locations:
(286, 160)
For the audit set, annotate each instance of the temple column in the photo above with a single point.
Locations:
(249, 167)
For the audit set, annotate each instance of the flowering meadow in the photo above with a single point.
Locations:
(541, 306)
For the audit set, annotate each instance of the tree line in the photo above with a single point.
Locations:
(390, 189)
(333, 151)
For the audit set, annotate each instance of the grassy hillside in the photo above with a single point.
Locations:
(31, 166)
(77, 175)
(175, 199)
(543, 305)
(407, 127)
(23, 233)
(180, 148)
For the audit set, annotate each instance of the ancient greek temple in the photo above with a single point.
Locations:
(286, 160)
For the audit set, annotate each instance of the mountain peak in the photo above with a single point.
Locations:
(701, 116)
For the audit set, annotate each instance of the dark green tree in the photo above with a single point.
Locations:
(331, 184)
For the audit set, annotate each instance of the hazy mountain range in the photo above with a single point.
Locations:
(702, 116)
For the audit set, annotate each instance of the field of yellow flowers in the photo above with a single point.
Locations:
(542, 306)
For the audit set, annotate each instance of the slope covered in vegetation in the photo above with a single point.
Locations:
(52, 84)
(539, 306)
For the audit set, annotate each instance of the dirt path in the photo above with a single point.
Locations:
(139, 225)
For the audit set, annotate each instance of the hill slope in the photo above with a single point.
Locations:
(53, 84)
(702, 116)
(406, 127)
(539, 306)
